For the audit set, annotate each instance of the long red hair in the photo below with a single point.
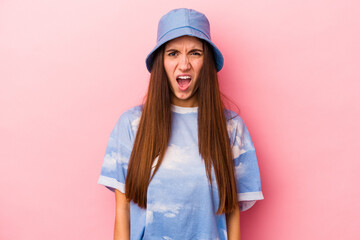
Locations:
(154, 130)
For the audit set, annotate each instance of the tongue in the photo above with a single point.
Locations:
(183, 82)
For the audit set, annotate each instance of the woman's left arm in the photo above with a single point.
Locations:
(233, 224)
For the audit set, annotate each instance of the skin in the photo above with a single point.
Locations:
(183, 56)
(233, 225)
(122, 217)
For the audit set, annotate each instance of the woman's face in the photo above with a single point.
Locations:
(183, 60)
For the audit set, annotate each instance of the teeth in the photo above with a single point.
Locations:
(184, 77)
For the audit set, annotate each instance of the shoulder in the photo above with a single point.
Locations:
(130, 118)
(233, 120)
(133, 112)
(237, 130)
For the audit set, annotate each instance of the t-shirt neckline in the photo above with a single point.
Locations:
(179, 109)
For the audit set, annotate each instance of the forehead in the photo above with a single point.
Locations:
(187, 41)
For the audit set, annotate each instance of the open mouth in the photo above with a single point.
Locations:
(183, 82)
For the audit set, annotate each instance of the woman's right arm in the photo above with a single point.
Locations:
(122, 217)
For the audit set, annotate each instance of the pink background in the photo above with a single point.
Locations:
(69, 68)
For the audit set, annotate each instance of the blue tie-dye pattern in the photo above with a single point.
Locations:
(180, 202)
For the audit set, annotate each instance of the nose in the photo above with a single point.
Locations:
(184, 63)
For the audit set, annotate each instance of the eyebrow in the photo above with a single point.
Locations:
(196, 50)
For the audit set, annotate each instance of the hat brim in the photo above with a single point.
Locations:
(185, 31)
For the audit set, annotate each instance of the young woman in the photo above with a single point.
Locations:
(181, 165)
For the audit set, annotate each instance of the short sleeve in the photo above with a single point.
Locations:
(117, 154)
(247, 173)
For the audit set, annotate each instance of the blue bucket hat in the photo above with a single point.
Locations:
(181, 22)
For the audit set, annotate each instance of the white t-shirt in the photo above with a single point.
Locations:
(180, 203)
